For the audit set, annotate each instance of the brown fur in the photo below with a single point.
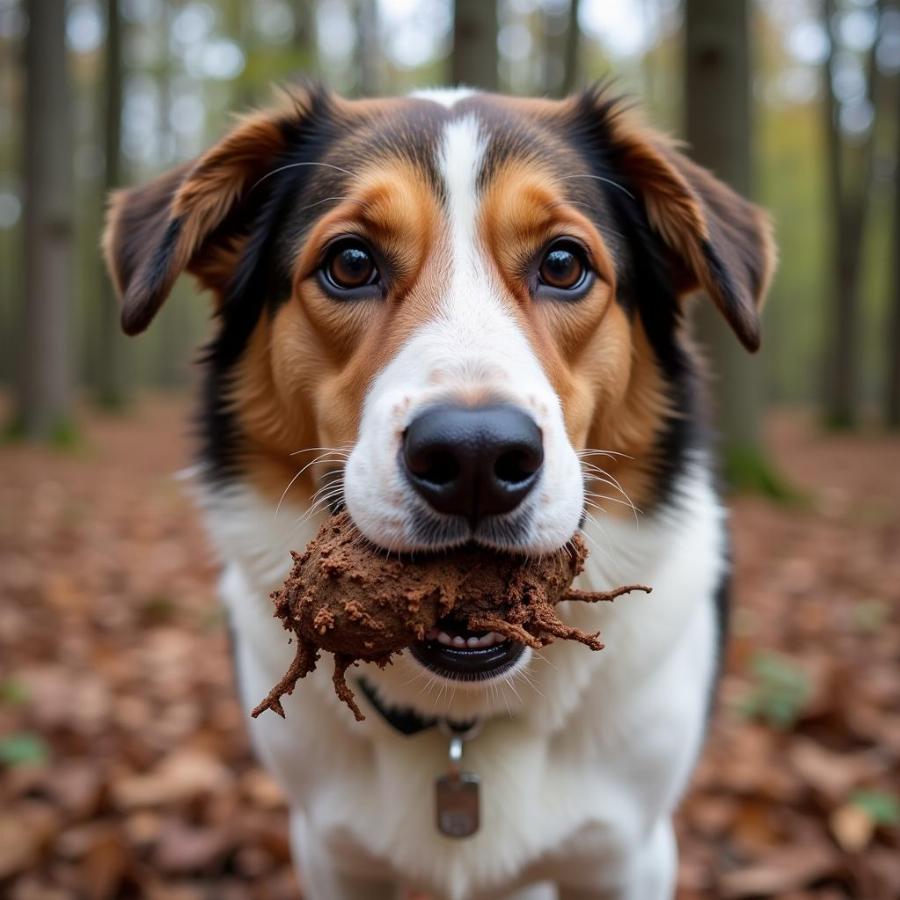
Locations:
(155, 233)
(697, 216)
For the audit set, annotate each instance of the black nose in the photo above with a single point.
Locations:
(473, 461)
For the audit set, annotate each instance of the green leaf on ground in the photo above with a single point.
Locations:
(882, 807)
(781, 689)
(23, 749)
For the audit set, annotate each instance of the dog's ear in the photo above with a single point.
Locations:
(721, 242)
(155, 232)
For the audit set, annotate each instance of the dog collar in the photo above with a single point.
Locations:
(407, 721)
(457, 793)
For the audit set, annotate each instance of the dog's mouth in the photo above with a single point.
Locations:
(453, 651)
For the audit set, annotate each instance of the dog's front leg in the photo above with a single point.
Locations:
(648, 872)
(325, 876)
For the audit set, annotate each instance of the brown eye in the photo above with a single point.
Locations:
(349, 267)
(563, 267)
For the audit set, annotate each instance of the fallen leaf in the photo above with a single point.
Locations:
(105, 867)
(831, 774)
(780, 871)
(184, 850)
(179, 777)
(852, 827)
(24, 834)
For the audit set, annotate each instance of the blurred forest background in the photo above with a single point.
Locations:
(796, 102)
(125, 769)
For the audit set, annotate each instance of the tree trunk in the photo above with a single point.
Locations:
(368, 45)
(718, 108)
(304, 41)
(111, 388)
(841, 334)
(571, 56)
(44, 389)
(893, 350)
(554, 21)
(849, 213)
(474, 61)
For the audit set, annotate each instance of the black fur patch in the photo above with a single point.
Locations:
(722, 602)
(261, 281)
(149, 289)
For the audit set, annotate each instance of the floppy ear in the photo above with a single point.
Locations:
(723, 243)
(155, 232)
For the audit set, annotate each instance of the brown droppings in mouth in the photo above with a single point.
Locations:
(347, 597)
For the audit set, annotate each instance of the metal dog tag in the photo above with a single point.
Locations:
(456, 794)
(457, 804)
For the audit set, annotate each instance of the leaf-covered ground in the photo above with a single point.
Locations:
(124, 764)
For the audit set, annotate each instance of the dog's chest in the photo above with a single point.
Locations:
(630, 729)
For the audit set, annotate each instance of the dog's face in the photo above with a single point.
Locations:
(461, 300)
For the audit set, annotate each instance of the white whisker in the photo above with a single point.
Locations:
(615, 184)
(295, 166)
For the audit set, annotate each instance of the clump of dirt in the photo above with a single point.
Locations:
(348, 597)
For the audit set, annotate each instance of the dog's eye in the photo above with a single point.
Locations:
(563, 267)
(349, 269)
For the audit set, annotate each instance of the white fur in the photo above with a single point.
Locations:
(447, 97)
(583, 755)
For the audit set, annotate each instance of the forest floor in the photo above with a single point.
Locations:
(125, 768)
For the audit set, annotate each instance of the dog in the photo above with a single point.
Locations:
(462, 317)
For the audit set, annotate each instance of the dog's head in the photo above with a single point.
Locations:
(463, 297)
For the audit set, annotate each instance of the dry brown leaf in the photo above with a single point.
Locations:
(105, 867)
(832, 774)
(24, 834)
(262, 790)
(852, 827)
(755, 827)
(184, 850)
(781, 871)
(181, 776)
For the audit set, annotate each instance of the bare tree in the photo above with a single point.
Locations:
(893, 348)
(560, 50)
(368, 48)
(571, 55)
(111, 379)
(305, 43)
(719, 130)
(849, 171)
(43, 401)
(474, 60)
(554, 20)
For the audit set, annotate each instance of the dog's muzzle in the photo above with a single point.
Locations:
(472, 462)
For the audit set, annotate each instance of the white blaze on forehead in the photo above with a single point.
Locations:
(475, 337)
(447, 97)
(462, 154)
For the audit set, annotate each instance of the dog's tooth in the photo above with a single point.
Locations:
(498, 638)
(459, 641)
(444, 638)
(474, 642)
